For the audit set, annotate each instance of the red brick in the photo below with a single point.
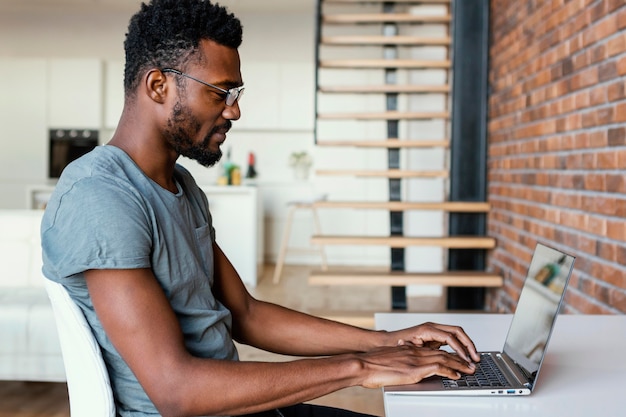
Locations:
(598, 96)
(606, 160)
(621, 18)
(617, 136)
(616, 45)
(606, 27)
(616, 183)
(607, 71)
(596, 225)
(612, 275)
(595, 182)
(621, 66)
(617, 299)
(621, 159)
(616, 229)
(607, 251)
(620, 113)
(598, 139)
(616, 91)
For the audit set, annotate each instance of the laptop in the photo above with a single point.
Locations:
(514, 370)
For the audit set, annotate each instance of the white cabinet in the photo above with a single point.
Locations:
(238, 221)
(23, 131)
(278, 96)
(113, 93)
(75, 93)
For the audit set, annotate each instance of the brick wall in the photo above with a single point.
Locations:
(557, 153)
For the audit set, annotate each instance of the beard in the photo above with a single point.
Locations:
(181, 127)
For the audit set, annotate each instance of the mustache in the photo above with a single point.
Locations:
(223, 127)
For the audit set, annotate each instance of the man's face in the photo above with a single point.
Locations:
(200, 118)
(183, 127)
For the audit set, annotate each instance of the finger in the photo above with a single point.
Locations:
(423, 355)
(447, 365)
(464, 339)
(454, 337)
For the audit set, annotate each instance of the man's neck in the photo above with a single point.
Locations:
(151, 156)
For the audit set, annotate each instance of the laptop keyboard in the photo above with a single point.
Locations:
(487, 375)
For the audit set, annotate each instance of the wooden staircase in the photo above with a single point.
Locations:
(379, 37)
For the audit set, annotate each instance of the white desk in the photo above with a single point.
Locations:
(584, 373)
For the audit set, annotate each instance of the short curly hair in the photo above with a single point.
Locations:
(166, 33)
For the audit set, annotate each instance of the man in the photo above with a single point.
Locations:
(129, 235)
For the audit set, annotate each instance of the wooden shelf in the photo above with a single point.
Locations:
(384, 40)
(448, 206)
(450, 242)
(384, 63)
(386, 88)
(363, 319)
(384, 18)
(400, 278)
(387, 115)
(392, 173)
(389, 1)
(387, 143)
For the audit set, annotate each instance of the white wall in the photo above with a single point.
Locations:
(277, 118)
(277, 109)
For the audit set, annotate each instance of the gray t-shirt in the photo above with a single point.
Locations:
(105, 213)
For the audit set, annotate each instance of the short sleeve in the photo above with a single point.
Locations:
(97, 224)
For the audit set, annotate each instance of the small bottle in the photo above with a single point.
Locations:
(251, 171)
(549, 271)
(228, 167)
(235, 175)
(222, 179)
(556, 281)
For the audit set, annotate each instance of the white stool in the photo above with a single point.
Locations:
(284, 245)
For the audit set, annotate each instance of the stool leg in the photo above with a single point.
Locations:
(318, 230)
(283, 246)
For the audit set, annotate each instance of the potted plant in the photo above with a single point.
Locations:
(300, 162)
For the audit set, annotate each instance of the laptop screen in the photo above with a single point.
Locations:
(537, 308)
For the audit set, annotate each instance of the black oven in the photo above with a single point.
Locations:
(67, 145)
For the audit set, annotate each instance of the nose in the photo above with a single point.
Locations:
(232, 112)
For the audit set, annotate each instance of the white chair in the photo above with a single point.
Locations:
(87, 378)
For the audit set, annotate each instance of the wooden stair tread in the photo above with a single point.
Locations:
(384, 18)
(400, 278)
(385, 115)
(383, 63)
(390, 1)
(387, 143)
(364, 319)
(449, 206)
(384, 40)
(385, 88)
(452, 242)
(391, 173)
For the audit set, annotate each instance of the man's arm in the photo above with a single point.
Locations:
(277, 329)
(140, 323)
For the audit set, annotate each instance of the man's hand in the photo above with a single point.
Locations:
(409, 364)
(433, 335)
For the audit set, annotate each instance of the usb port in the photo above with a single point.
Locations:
(510, 391)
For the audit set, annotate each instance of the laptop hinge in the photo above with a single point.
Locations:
(519, 373)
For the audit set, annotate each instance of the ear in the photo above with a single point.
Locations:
(156, 85)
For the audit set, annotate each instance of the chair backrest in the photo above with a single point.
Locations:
(87, 378)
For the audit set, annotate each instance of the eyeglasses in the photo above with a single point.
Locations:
(230, 96)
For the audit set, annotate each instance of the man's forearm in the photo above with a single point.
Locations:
(211, 387)
(281, 330)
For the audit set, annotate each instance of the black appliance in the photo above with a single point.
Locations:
(67, 145)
